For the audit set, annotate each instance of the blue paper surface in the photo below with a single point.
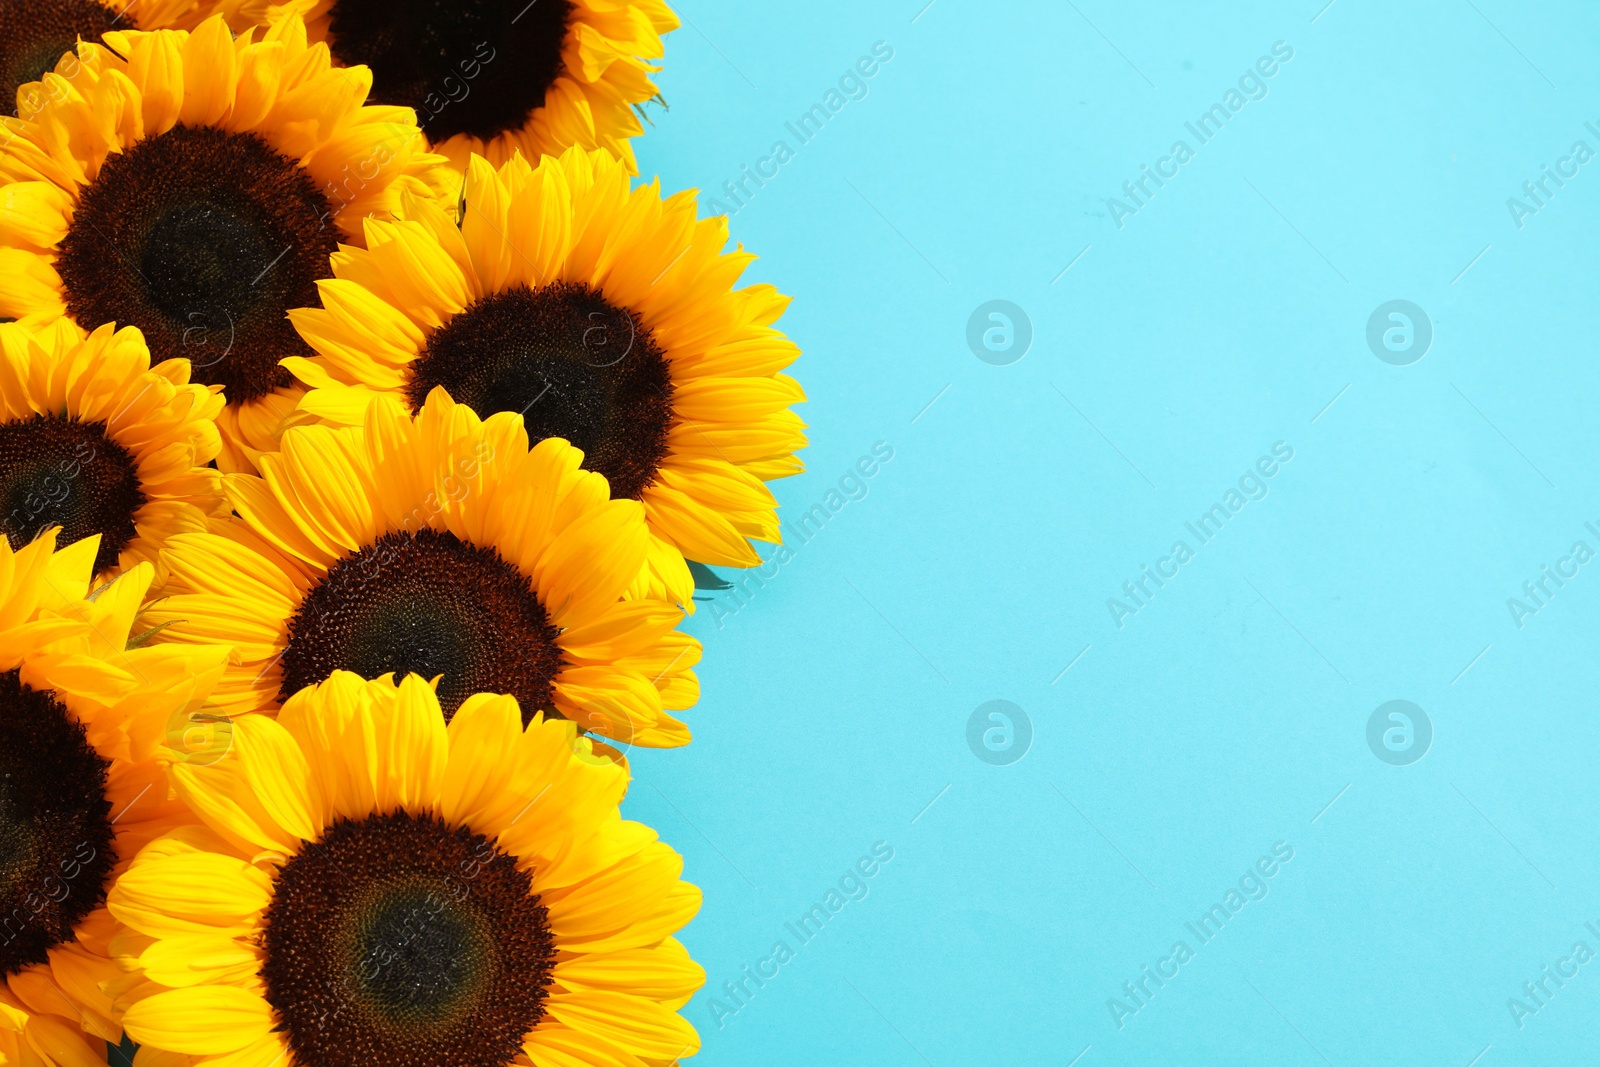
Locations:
(1343, 353)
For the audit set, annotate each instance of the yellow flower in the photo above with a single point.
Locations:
(500, 76)
(83, 717)
(95, 441)
(441, 545)
(374, 886)
(194, 185)
(603, 316)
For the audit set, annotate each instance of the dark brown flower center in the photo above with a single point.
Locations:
(397, 940)
(57, 471)
(56, 839)
(467, 66)
(203, 239)
(427, 604)
(573, 365)
(35, 34)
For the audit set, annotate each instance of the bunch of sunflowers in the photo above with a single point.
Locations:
(358, 415)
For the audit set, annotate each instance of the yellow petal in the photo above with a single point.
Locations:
(481, 732)
(201, 1021)
(641, 1026)
(156, 67)
(189, 960)
(191, 893)
(553, 1045)
(664, 972)
(591, 563)
(483, 225)
(419, 747)
(223, 795)
(210, 70)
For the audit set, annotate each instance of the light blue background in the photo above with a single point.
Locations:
(1227, 714)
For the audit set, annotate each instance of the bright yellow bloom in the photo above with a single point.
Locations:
(495, 77)
(440, 544)
(600, 314)
(85, 706)
(194, 185)
(374, 886)
(95, 441)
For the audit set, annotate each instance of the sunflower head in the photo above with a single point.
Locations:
(95, 441)
(83, 716)
(596, 313)
(496, 77)
(439, 544)
(373, 885)
(193, 184)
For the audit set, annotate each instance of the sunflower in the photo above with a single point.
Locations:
(441, 545)
(194, 185)
(373, 886)
(84, 711)
(603, 316)
(500, 76)
(95, 441)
